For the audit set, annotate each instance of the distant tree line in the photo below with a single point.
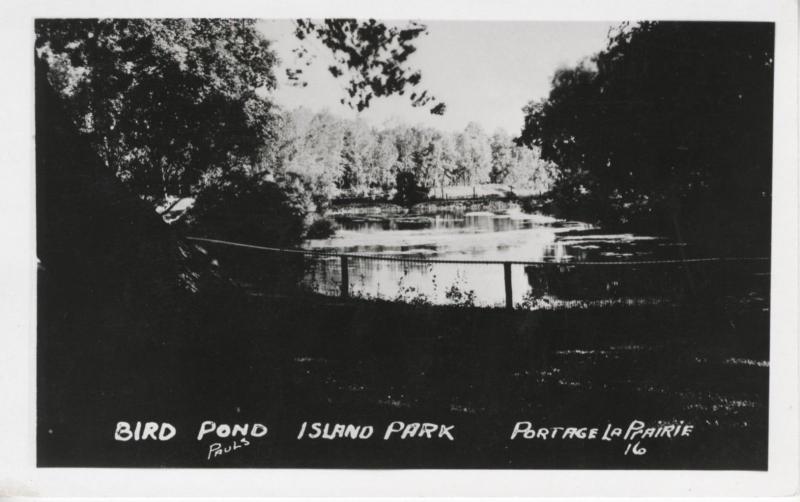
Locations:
(349, 158)
(668, 130)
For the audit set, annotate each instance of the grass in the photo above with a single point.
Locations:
(284, 360)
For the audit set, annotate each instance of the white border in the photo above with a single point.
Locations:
(18, 475)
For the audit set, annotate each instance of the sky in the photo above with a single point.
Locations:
(484, 71)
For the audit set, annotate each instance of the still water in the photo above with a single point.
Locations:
(472, 236)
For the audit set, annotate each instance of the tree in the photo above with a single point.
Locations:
(357, 144)
(447, 155)
(529, 170)
(350, 165)
(409, 189)
(474, 155)
(502, 156)
(314, 152)
(373, 55)
(163, 101)
(667, 130)
(382, 157)
(426, 156)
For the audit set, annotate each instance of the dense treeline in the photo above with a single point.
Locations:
(668, 130)
(348, 158)
(181, 108)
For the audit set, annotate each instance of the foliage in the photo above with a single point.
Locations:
(473, 161)
(410, 294)
(321, 228)
(373, 55)
(460, 296)
(164, 101)
(502, 160)
(310, 148)
(519, 165)
(529, 204)
(243, 207)
(668, 130)
(409, 191)
(347, 158)
(533, 300)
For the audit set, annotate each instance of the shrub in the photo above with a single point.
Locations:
(256, 209)
(321, 229)
(409, 191)
(460, 296)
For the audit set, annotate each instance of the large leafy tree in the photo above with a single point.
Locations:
(502, 156)
(164, 101)
(314, 152)
(382, 156)
(356, 155)
(668, 129)
(474, 154)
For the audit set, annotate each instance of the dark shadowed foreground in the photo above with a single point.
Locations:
(281, 362)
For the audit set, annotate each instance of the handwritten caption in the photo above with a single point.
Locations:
(632, 434)
(227, 438)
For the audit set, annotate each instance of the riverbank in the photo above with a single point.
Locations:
(377, 207)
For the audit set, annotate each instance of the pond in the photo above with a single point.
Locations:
(470, 236)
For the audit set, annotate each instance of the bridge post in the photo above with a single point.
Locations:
(345, 286)
(507, 277)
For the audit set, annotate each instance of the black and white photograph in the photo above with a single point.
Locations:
(392, 242)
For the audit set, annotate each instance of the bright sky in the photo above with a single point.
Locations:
(484, 71)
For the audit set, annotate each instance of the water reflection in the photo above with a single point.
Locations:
(472, 236)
